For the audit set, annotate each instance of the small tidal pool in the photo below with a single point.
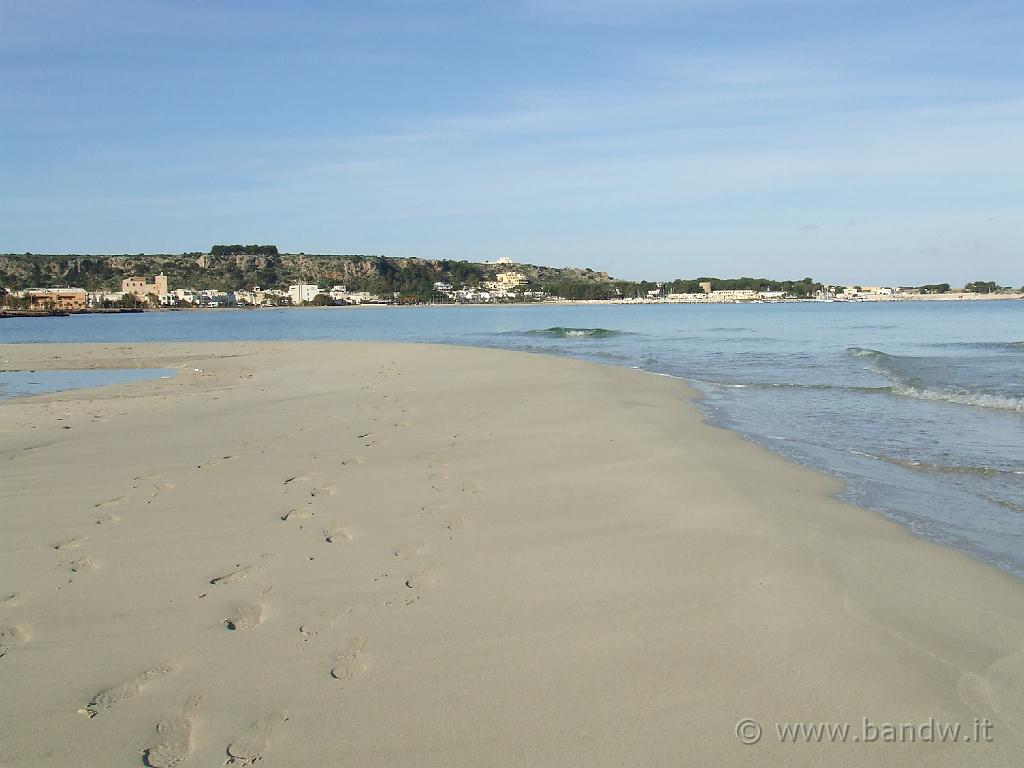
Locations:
(21, 383)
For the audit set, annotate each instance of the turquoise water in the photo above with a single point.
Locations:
(19, 383)
(918, 406)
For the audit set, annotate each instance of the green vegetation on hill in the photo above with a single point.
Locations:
(413, 278)
(232, 267)
(979, 286)
(805, 287)
(243, 250)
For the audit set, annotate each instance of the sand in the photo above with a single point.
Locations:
(395, 555)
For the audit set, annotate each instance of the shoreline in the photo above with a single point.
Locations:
(696, 396)
(6, 314)
(844, 494)
(587, 554)
(916, 298)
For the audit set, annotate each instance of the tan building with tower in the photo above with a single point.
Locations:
(145, 285)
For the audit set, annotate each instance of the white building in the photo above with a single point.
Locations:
(361, 297)
(734, 295)
(720, 297)
(303, 292)
(472, 296)
(869, 290)
(340, 293)
(179, 296)
(99, 298)
(265, 297)
(247, 298)
(210, 297)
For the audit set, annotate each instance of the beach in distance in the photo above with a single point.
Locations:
(329, 553)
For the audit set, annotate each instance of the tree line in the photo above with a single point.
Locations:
(243, 250)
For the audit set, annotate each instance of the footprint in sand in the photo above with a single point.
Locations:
(250, 747)
(416, 583)
(108, 697)
(176, 733)
(336, 535)
(215, 462)
(432, 507)
(314, 627)
(77, 541)
(84, 565)
(12, 600)
(455, 524)
(11, 636)
(407, 551)
(297, 514)
(108, 502)
(349, 664)
(159, 488)
(245, 617)
(240, 572)
(108, 519)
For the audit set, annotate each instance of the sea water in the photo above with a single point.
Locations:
(918, 406)
(21, 383)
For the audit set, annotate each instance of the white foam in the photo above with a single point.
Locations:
(978, 399)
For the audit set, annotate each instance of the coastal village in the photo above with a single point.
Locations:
(153, 292)
(496, 282)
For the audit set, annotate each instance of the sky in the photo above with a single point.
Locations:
(858, 142)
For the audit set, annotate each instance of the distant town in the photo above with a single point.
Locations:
(257, 276)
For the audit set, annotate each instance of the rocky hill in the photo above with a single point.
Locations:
(377, 274)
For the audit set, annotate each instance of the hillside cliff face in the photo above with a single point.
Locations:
(191, 270)
(372, 273)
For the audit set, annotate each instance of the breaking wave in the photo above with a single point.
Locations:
(789, 385)
(1000, 346)
(906, 384)
(944, 469)
(559, 332)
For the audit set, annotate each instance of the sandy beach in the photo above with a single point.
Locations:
(333, 553)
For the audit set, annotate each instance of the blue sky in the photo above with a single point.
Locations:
(871, 142)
